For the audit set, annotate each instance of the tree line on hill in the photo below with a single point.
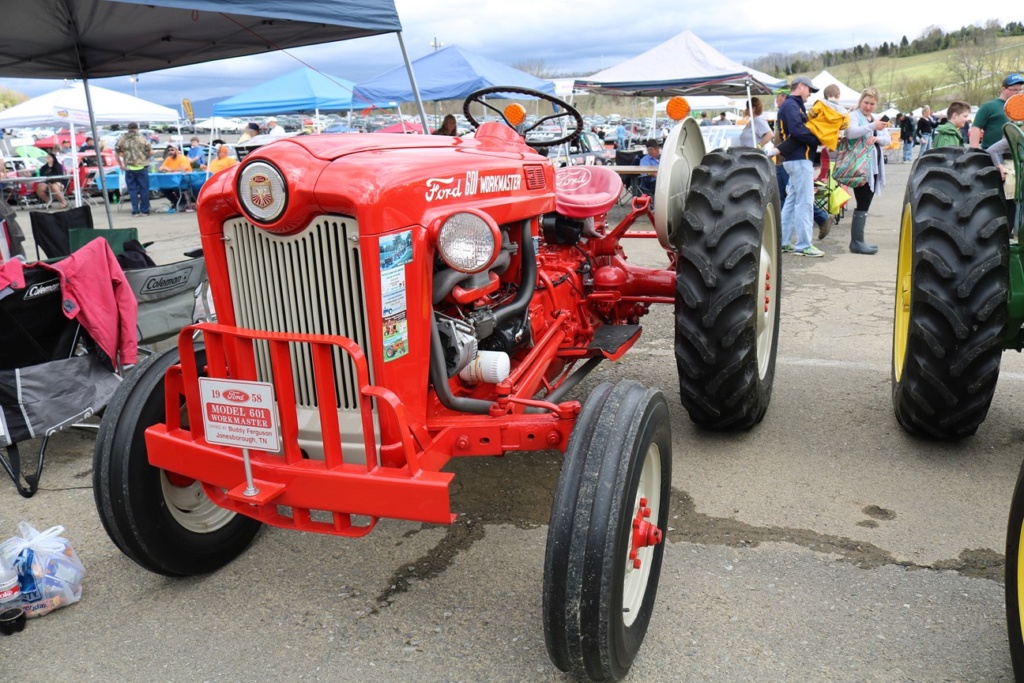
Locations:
(932, 39)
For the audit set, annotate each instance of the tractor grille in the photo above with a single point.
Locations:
(310, 282)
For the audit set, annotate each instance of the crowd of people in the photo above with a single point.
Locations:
(862, 135)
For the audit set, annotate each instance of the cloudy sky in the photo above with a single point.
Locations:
(571, 36)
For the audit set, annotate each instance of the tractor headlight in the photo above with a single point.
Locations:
(468, 242)
(263, 192)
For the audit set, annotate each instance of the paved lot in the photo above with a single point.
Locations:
(824, 545)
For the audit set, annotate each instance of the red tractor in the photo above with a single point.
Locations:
(388, 302)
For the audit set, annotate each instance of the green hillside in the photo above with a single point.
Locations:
(936, 78)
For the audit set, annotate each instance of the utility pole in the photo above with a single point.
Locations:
(134, 78)
(436, 44)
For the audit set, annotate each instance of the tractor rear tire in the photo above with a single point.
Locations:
(727, 290)
(1014, 578)
(166, 525)
(603, 551)
(952, 278)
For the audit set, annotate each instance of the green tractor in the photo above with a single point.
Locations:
(959, 304)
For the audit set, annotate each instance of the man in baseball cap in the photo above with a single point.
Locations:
(272, 128)
(987, 128)
(802, 80)
(798, 211)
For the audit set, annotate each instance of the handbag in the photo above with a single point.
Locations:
(851, 164)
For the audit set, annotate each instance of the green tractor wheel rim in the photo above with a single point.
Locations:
(904, 271)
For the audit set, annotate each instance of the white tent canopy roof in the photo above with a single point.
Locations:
(218, 123)
(60, 106)
(848, 97)
(683, 64)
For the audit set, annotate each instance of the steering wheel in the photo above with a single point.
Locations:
(568, 111)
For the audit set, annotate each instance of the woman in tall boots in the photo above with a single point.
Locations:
(864, 124)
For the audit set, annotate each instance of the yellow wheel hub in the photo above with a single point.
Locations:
(904, 272)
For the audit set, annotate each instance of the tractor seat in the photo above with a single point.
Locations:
(585, 191)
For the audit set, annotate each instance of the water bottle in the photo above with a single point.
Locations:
(12, 616)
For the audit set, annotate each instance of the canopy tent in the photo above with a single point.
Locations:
(61, 137)
(300, 91)
(218, 123)
(848, 97)
(69, 106)
(448, 74)
(682, 65)
(98, 38)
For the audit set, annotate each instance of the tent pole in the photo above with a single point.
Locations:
(415, 88)
(74, 162)
(96, 139)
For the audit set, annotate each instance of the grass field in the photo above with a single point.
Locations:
(930, 72)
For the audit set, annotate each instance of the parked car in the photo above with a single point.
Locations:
(586, 150)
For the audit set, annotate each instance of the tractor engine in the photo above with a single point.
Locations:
(488, 320)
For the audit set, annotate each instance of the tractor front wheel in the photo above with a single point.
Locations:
(166, 524)
(952, 277)
(727, 290)
(606, 537)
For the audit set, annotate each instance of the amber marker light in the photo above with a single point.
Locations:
(1014, 107)
(515, 113)
(677, 108)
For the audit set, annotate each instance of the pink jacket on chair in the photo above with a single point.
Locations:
(96, 293)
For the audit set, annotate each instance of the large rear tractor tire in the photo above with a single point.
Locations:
(166, 524)
(727, 290)
(951, 291)
(606, 537)
(1015, 578)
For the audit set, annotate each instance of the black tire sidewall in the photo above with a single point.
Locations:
(706, 348)
(625, 641)
(130, 498)
(952, 248)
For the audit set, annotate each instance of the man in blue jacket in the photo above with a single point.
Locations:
(798, 211)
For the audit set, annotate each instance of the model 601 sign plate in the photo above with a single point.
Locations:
(238, 413)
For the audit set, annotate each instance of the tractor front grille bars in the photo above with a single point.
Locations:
(308, 283)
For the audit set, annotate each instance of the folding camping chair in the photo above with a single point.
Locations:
(11, 235)
(170, 297)
(50, 230)
(49, 377)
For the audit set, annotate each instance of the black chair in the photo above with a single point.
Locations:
(630, 182)
(49, 378)
(51, 230)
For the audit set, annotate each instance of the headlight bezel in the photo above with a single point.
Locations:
(243, 186)
(449, 223)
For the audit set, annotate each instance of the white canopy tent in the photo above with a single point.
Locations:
(848, 97)
(682, 65)
(219, 123)
(67, 106)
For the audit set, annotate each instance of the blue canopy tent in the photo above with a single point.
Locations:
(300, 91)
(447, 74)
(99, 38)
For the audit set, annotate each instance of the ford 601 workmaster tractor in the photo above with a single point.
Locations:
(386, 303)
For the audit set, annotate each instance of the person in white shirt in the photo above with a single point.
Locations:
(273, 129)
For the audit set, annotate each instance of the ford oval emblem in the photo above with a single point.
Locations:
(236, 396)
